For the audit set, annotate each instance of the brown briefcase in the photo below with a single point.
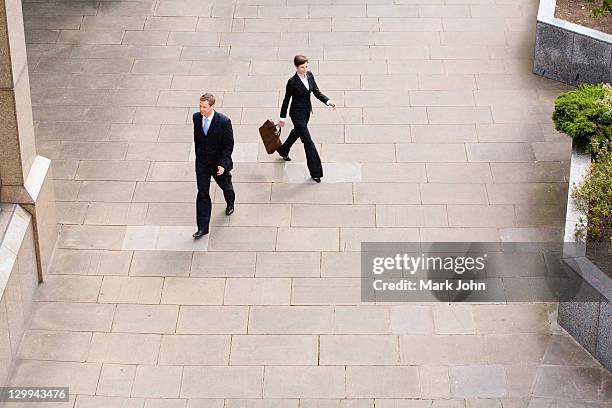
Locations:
(270, 135)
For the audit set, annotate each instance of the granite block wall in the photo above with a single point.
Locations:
(568, 52)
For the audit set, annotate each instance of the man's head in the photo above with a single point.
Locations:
(207, 103)
(301, 64)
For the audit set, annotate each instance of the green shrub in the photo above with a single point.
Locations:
(585, 114)
(594, 198)
(603, 10)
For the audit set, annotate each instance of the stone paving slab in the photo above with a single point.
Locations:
(442, 133)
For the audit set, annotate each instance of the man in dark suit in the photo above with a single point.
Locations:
(299, 88)
(214, 143)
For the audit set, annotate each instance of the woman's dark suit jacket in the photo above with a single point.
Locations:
(300, 106)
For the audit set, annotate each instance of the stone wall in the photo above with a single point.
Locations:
(585, 310)
(18, 281)
(568, 52)
(25, 176)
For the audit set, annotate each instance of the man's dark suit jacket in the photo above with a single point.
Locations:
(300, 105)
(215, 148)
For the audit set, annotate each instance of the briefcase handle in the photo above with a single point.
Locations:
(277, 129)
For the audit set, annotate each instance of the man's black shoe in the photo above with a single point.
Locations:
(229, 210)
(317, 179)
(286, 158)
(200, 234)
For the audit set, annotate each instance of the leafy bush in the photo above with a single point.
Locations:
(585, 114)
(594, 198)
(603, 10)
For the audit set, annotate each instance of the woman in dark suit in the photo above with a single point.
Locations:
(299, 88)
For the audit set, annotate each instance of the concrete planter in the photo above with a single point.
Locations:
(18, 282)
(584, 304)
(568, 52)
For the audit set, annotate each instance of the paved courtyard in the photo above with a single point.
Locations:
(442, 133)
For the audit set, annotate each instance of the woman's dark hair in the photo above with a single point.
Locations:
(299, 60)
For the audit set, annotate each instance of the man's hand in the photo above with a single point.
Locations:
(332, 104)
(220, 170)
(281, 124)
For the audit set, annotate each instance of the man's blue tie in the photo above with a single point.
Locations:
(206, 125)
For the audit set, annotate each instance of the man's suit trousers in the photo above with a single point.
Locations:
(203, 201)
